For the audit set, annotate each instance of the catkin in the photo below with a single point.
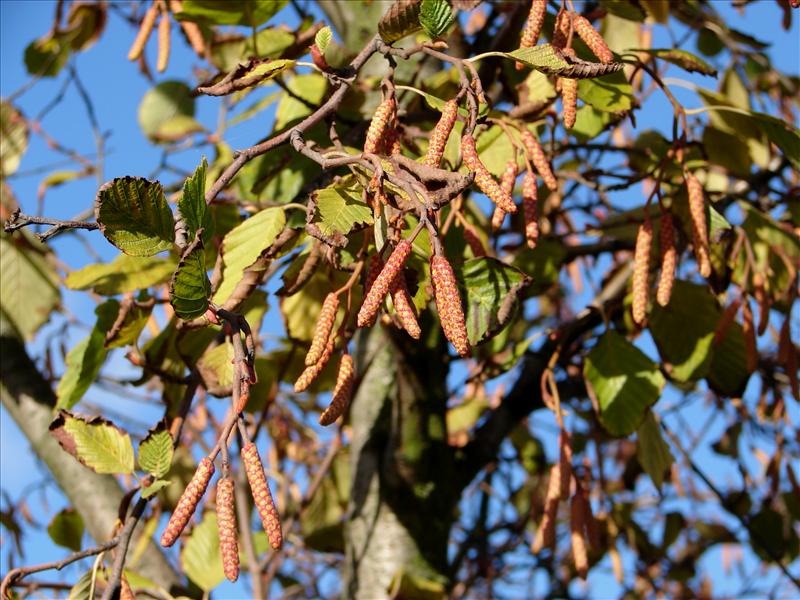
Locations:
(539, 160)
(440, 133)
(322, 330)
(163, 43)
(498, 216)
(404, 306)
(341, 393)
(373, 270)
(592, 38)
(484, 179)
(669, 258)
(697, 210)
(188, 502)
(577, 525)
(145, 29)
(749, 331)
(309, 374)
(561, 29)
(377, 127)
(261, 495)
(533, 26)
(507, 180)
(530, 209)
(226, 525)
(641, 270)
(546, 533)
(378, 290)
(564, 464)
(724, 324)
(448, 304)
(569, 101)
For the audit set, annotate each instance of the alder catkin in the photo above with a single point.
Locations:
(641, 270)
(261, 495)
(561, 29)
(530, 209)
(163, 43)
(379, 288)
(669, 258)
(539, 160)
(145, 29)
(341, 393)
(188, 502)
(697, 210)
(569, 101)
(404, 306)
(546, 532)
(749, 331)
(309, 374)
(564, 464)
(448, 304)
(322, 330)
(498, 216)
(592, 38)
(373, 270)
(377, 127)
(577, 525)
(507, 180)
(440, 134)
(533, 26)
(483, 178)
(226, 525)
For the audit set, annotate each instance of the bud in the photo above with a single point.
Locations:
(226, 525)
(404, 306)
(697, 210)
(569, 101)
(162, 58)
(533, 26)
(749, 331)
(188, 502)
(484, 179)
(309, 374)
(261, 495)
(341, 393)
(529, 209)
(538, 159)
(322, 330)
(440, 134)
(377, 127)
(577, 524)
(641, 270)
(668, 259)
(448, 304)
(378, 290)
(145, 29)
(592, 38)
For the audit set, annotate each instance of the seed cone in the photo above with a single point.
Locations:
(404, 306)
(577, 525)
(309, 374)
(569, 101)
(530, 209)
(322, 330)
(440, 134)
(261, 495)
(697, 210)
(641, 270)
(341, 393)
(538, 159)
(592, 38)
(669, 258)
(188, 502)
(533, 26)
(378, 290)
(448, 303)
(226, 524)
(484, 179)
(377, 127)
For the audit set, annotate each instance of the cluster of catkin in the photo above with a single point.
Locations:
(160, 7)
(640, 291)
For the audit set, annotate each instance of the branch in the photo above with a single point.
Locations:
(19, 220)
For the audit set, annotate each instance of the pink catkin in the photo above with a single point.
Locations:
(448, 304)
(377, 292)
(226, 525)
(188, 502)
(530, 209)
(483, 178)
(536, 153)
(441, 132)
(404, 306)
(262, 497)
(341, 393)
(322, 330)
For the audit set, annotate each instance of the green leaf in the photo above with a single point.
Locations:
(244, 244)
(652, 451)
(590, 122)
(413, 585)
(727, 374)
(216, 369)
(134, 216)
(495, 148)
(86, 23)
(492, 289)
(624, 381)
(400, 20)
(610, 94)
(246, 75)
(435, 16)
(190, 288)
(251, 13)
(685, 60)
(135, 318)
(13, 138)
(46, 56)
(200, 558)
(323, 38)
(66, 529)
(82, 587)
(300, 310)
(552, 61)
(95, 442)
(306, 91)
(122, 275)
(542, 265)
(340, 209)
(192, 206)
(155, 487)
(168, 101)
(155, 451)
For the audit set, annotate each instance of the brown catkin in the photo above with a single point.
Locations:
(724, 324)
(561, 29)
(564, 464)
(441, 132)
(261, 495)
(577, 526)
(341, 393)
(322, 330)
(539, 160)
(749, 331)
(448, 304)
(533, 26)
(697, 210)
(569, 101)
(484, 179)
(546, 533)
(592, 38)
(498, 216)
(377, 127)
(641, 270)
(188, 502)
(507, 180)
(530, 209)
(226, 525)
(404, 306)
(309, 374)
(378, 290)
(163, 43)
(145, 29)
(669, 259)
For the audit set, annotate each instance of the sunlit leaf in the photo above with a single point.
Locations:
(190, 288)
(652, 451)
(95, 442)
(200, 557)
(123, 274)
(155, 451)
(435, 16)
(251, 13)
(166, 102)
(13, 138)
(66, 529)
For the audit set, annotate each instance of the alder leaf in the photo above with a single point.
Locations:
(134, 216)
(652, 451)
(201, 558)
(155, 451)
(66, 529)
(82, 587)
(122, 275)
(609, 94)
(192, 206)
(155, 487)
(435, 16)
(339, 209)
(97, 443)
(552, 61)
(134, 317)
(250, 13)
(13, 138)
(681, 58)
(400, 20)
(166, 113)
(323, 38)
(190, 288)
(248, 74)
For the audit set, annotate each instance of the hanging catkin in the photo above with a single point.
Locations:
(530, 209)
(377, 127)
(188, 502)
(448, 304)
(546, 532)
(483, 178)
(577, 525)
(669, 258)
(226, 525)
(261, 495)
(404, 306)
(341, 393)
(697, 210)
(145, 29)
(539, 160)
(533, 26)
(592, 38)
(380, 287)
(322, 330)
(309, 374)
(641, 270)
(441, 132)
